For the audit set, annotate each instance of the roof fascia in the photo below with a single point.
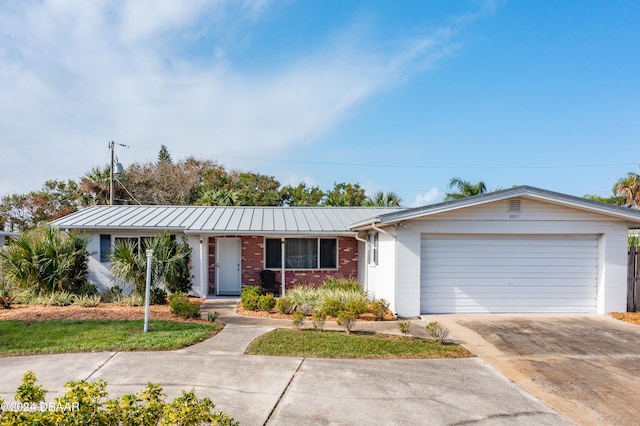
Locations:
(521, 191)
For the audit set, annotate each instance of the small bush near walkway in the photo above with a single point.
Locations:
(181, 305)
(89, 403)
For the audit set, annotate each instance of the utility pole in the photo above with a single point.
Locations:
(115, 168)
(111, 191)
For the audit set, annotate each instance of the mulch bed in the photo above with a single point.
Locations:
(104, 311)
(632, 317)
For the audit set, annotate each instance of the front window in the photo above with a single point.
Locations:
(302, 253)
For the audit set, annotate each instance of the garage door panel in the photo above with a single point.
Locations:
(456, 271)
(572, 287)
(505, 273)
(485, 262)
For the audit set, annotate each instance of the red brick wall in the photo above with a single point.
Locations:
(253, 263)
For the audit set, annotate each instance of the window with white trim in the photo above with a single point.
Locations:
(301, 253)
(372, 252)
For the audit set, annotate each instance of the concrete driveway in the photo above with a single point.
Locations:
(587, 367)
(258, 390)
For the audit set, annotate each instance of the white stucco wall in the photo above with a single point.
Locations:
(381, 277)
(492, 218)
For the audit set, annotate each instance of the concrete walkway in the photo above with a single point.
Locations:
(258, 390)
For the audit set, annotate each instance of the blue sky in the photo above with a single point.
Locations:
(397, 96)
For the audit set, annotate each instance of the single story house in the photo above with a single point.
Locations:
(521, 249)
(232, 245)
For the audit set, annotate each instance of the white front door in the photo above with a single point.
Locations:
(228, 266)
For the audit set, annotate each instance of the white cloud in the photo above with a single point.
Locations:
(430, 197)
(76, 74)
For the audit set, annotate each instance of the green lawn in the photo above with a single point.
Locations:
(43, 337)
(329, 344)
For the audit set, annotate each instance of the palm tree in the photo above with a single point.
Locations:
(465, 189)
(629, 189)
(95, 185)
(218, 197)
(381, 199)
(170, 263)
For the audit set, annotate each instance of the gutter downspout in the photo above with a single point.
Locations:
(373, 226)
(283, 266)
(366, 262)
(205, 290)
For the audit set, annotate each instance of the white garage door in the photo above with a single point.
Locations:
(491, 273)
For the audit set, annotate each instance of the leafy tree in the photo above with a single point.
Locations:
(255, 189)
(614, 199)
(465, 189)
(164, 183)
(26, 211)
(46, 259)
(345, 194)
(301, 195)
(163, 155)
(381, 199)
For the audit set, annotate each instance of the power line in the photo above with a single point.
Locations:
(399, 166)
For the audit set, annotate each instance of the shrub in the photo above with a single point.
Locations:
(342, 284)
(266, 302)
(157, 296)
(332, 307)
(405, 327)
(250, 296)
(86, 289)
(6, 298)
(319, 318)
(47, 259)
(250, 302)
(181, 305)
(297, 320)
(357, 306)
(284, 305)
(347, 320)
(131, 300)
(28, 391)
(111, 294)
(303, 295)
(379, 309)
(305, 309)
(88, 403)
(88, 301)
(212, 316)
(437, 331)
(58, 298)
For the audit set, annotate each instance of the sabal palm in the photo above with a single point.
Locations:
(170, 263)
(465, 189)
(96, 184)
(47, 260)
(381, 199)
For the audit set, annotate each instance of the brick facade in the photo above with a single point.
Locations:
(253, 262)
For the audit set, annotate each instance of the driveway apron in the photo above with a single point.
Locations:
(584, 366)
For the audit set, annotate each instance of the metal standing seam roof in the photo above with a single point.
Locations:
(216, 219)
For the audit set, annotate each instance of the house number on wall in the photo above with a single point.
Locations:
(514, 216)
